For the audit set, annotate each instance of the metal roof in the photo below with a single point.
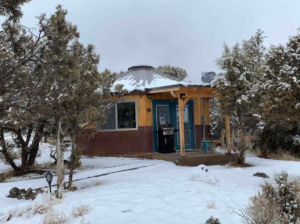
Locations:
(143, 77)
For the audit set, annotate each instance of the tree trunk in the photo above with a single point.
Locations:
(72, 160)
(263, 143)
(34, 148)
(24, 150)
(29, 133)
(60, 157)
(24, 160)
(4, 151)
(241, 159)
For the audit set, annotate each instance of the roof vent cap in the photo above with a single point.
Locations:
(140, 67)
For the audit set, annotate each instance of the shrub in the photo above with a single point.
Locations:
(53, 217)
(80, 210)
(281, 203)
(283, 155)
(254, 214)
(212, 220)
(240, 143)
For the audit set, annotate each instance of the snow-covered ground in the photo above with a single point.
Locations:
(159, 192)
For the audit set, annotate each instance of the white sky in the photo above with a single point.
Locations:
(183, 33)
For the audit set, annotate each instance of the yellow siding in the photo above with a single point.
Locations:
(145, 118)
(201, 107)
(205, 110)
(197, 111)
(162, 96)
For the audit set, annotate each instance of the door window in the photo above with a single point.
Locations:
(185, 122)
(162, 114)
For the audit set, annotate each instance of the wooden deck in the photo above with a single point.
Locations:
(191, 158)
(195, 158)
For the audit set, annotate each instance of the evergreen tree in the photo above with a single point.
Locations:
(261, 89)
(280, 83)
(242, 66)
(178, 73)
(73, 88)
(12, 8)
(59, 83)
(20, 51)
(232, 86)
(91, 103)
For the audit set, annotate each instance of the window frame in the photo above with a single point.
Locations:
(116, 117)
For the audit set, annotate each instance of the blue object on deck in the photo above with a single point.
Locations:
(206, 145)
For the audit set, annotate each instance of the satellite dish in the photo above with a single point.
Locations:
(207, 77)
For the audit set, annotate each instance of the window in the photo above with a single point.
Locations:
(162, 115)
(122, 116)
(126, 115)
(111, 120)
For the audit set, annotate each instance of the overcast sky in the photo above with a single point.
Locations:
(183, 33)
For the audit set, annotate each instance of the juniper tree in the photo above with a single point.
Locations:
(12, 8)
(232, 86)
(58, 79)
(242, 66)
(75, 88)
(281, 86)
(255, 58)
(91, 103)
(176, 72)
(24, 107)
(20, 49)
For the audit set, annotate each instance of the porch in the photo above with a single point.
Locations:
(196, 158)
(190, 101)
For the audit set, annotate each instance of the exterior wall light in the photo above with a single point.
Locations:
(49, 178)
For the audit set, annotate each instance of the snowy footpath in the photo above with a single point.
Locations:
(158, 192)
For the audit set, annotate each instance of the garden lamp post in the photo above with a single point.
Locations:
(49, 178)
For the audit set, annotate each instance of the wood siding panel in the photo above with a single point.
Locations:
(201, 107)
(118, 142)
(163, 96)
(149, 114)
(140, 110)
(145, 116)
(199, 134)
(205, 110)
(197, 111)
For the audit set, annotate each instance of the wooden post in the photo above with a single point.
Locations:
(181, 103)
(228, 138)
(181, 126)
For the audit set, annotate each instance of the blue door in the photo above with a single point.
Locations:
(166, 112)
(188, 121)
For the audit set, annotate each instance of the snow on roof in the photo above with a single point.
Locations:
(141, 78)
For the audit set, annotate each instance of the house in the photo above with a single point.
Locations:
(153, 99)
